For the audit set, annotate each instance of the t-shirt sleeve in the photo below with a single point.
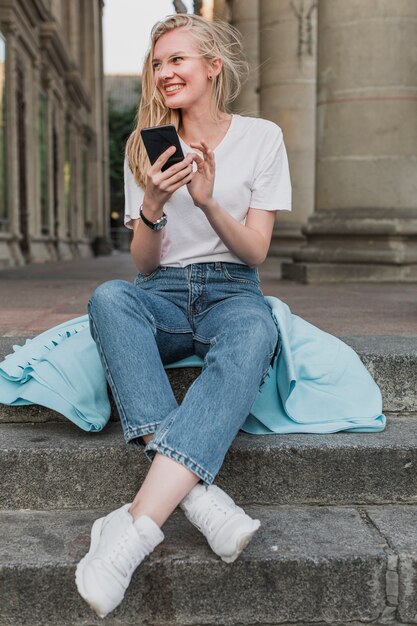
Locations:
(133, 196)
(271, 188)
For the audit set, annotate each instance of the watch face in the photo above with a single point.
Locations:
(160, 225)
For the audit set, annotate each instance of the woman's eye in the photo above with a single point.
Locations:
(176, 59)
(156, 66)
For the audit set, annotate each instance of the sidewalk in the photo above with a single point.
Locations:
(36, 297)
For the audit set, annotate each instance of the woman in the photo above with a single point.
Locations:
(200, 230)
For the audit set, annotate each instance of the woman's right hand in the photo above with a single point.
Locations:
(161, 185)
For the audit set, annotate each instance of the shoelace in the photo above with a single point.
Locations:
(122, 558)
(205, 518)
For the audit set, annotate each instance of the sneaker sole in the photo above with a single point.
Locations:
(242, 540)
(95, 537)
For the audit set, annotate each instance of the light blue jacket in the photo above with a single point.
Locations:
(316, 384)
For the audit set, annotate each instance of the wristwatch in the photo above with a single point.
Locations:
(158, 225)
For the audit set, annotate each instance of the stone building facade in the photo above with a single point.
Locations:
(340, 78)
(54, 199)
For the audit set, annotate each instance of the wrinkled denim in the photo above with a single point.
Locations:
(214, 310)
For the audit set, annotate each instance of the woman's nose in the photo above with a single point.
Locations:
(166, 71)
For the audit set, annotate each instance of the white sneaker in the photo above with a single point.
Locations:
(118, 545)
(227, 528)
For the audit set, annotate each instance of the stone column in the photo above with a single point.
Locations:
(245, 16)
(105, 160)
(10, 253)
(76, 186)
(72, 216)
(221, 9)
(33, 187)
(365, 224)
(39, 242)
(56, 9)
(80, 244)
(90, 82)
(73, 43)
(47, 81)
(99, 163)
(287, 97)
(63, 246)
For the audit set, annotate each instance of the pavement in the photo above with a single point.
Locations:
(38, 296)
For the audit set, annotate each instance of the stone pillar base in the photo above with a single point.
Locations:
(286, 239)
(6, 259)
(308, 273)
(357, 245)
(102, 246)
(64, 251)
(84, 249)
(42, 250)
(10, 253)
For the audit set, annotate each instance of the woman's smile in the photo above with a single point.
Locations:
(173, 88)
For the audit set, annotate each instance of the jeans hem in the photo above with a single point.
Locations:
(139, 431)
(153, 447)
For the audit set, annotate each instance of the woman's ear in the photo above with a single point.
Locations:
(215, 67)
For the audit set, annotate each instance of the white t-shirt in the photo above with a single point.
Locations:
(251, 172)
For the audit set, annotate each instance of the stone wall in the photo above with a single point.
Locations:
(55, 131)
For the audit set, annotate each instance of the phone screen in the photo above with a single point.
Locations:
(157, 139)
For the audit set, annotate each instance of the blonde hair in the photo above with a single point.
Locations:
(213, 40)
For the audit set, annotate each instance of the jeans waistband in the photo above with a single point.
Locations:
(215, 265)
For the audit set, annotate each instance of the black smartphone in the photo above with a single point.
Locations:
(157, 139)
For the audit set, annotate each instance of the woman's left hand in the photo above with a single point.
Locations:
(201, 186)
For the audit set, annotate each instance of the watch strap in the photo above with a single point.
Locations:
(157, 225)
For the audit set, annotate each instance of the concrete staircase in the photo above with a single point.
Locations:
(337, 544)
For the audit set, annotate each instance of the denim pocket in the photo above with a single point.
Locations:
(143, 278)
(237, 273)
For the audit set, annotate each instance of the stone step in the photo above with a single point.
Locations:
(336, 565)
(391, 360)
(50, 466)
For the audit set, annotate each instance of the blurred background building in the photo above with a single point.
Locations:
(54, 191)
(340, 78)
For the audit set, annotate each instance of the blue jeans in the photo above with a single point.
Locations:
(214, 310)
